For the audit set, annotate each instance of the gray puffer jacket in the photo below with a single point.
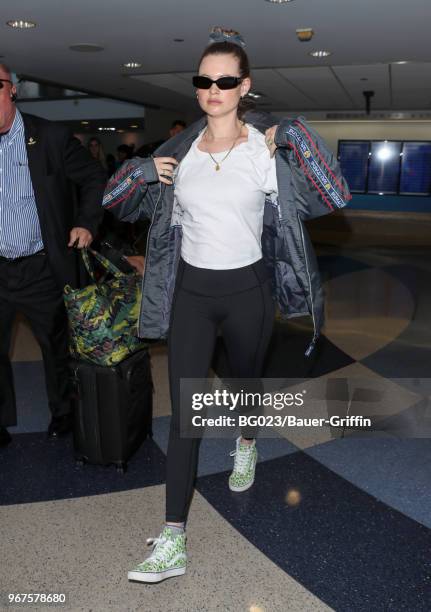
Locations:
(310, 184)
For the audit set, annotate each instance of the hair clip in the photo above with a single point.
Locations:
(219, 34)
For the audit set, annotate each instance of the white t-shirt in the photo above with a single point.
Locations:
(222, 211)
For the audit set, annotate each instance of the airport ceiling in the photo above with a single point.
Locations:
(367, 39)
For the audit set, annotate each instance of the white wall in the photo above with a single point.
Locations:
(332, 131)
(158, 123)
(81, 109)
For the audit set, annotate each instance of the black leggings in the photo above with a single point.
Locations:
(237, 302)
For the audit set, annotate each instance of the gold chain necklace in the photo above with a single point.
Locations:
(217, 163)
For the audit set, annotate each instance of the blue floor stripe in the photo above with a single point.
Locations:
(409, 355)
(350, 550)
(35, 469)
(396, 472)
(331, 266)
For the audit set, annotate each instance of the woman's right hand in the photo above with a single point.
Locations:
(165, 168)
(138, 262)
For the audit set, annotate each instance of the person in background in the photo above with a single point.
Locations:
(123, 152)
(177, 127)
(96, 151)
(40, 222)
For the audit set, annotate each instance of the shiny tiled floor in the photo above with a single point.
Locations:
(331, 523)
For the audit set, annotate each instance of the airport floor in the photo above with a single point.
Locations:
(332, 522)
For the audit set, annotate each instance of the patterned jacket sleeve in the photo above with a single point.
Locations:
(316, 178)
(126, 194)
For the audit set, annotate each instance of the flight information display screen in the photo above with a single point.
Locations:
(416, 169)
(386, 166)
(353, 156)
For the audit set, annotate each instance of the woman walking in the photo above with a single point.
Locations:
(226, 239)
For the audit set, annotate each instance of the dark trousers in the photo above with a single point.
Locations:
(238, 303)
(27, 286)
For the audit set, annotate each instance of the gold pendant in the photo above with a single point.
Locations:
(217, 167)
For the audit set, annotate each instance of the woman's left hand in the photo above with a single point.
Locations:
(270, 139)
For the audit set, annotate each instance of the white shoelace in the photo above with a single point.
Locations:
(242, 458)
(161, 548)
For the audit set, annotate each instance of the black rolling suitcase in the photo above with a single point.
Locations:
(113, 411)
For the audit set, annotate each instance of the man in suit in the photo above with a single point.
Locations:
(40, 221)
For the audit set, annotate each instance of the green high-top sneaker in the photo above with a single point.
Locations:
(169, 558)
(244, 467)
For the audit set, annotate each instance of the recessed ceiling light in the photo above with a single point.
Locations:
(402, 62)
(321, 53)
(304, 34)
(132, 65)
(120, 131)
(85, 122)
(134, 126)
(22, 25)
(279, 1)
(86, 47)
(106, 129)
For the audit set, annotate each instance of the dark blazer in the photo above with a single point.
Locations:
(58, 161)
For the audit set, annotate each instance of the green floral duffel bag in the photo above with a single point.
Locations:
(103, 317)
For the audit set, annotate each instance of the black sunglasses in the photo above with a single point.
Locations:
(4, 81)
(227, 82)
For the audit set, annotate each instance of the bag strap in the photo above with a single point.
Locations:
(104, 262)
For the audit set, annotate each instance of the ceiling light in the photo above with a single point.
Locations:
(402, 62)
(304, 34)
(134, 126)
(254, 94)
(279, 1)
(85, 122)
(120, 131)
(86, 48)
(22, 25)
(321, 53)
(132, 65)
(106, 129)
